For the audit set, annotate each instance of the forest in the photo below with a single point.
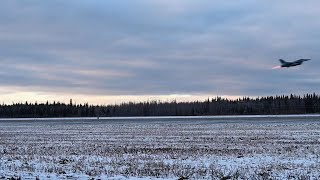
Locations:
(270, 105)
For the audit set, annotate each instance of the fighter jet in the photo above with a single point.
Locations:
(294, 63)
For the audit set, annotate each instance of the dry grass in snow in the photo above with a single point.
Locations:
(167, 149)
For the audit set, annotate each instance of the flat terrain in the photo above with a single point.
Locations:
(239, 147)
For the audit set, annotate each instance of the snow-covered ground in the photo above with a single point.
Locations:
(257, 147)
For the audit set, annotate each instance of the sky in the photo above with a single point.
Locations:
(106, 52)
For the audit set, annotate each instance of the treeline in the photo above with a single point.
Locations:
(292, 104)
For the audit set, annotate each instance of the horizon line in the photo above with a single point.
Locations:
(152, 99)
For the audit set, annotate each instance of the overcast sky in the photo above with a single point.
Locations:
(110, 51)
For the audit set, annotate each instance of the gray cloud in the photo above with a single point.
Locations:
(159, 47)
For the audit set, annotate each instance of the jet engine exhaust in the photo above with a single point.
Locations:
(277, 67)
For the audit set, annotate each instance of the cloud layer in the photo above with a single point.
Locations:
(159, 47)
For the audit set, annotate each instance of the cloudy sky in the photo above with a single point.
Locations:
(111, 51)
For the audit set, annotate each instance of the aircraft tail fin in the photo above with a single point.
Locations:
(282, 61)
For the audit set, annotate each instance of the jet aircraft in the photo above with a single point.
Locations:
(294, 63)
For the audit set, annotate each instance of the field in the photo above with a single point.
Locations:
(257, 147)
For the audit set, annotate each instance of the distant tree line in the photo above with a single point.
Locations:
(292, 104)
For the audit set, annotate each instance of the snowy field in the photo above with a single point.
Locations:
(236, 147)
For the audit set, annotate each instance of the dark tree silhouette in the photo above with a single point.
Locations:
(292, 104)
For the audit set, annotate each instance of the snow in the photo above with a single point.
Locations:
(280, 147)
(169, 117)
